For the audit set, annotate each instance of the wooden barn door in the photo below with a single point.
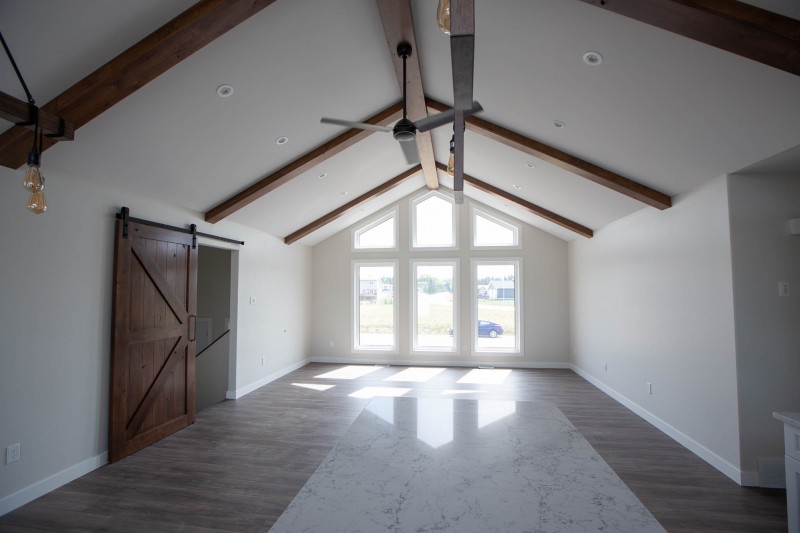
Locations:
(153, 344)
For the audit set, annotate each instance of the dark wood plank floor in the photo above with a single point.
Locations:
(241, 464)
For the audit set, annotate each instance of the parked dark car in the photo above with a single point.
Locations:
(486, 328)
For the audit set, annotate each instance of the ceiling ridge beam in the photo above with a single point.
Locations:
(303, 163)
(563, 160)
(398, 25)
(742, 29)
(338, 212)
(537, 210)
(135, 67)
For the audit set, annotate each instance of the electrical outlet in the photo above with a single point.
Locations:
(262, 360)
(331, 342)
(12, 453)
(252, 300)
(605, 367)
(783, 289)
(649, 388)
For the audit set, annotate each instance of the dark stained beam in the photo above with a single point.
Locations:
(533, 208)
(336, 213)
(135, 67)
(736, 27)
(398, 25)
(302, 164)
(563, 160)
(19, 112)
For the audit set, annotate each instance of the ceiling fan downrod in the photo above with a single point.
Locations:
(404, 130)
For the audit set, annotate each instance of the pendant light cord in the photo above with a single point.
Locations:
(31, 101)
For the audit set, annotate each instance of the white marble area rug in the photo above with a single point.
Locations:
(432, 464)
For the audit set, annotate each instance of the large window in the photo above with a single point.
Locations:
(380, 233)
(496, 306)
(434, 305)
(433, 221)
(374, 306)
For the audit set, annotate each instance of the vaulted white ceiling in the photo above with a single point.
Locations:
(661, 109)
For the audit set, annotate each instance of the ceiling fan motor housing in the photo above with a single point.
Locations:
(404, 130)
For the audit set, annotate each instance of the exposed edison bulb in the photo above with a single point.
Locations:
(33, 180)
(443, 16)
(37, 203)
(451, 161)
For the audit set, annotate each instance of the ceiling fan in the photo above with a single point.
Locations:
(405, 131)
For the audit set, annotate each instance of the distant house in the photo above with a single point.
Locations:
(369, 290)
(500, 290)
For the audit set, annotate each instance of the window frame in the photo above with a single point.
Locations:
(355, 314)
(413, 264)
(518, 292)
(497, 219)
(413, 217)
(373, 222)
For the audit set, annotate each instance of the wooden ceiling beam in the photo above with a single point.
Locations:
(398, 25)
(533, 208)
(736, 27)
(563, 160)
(135, 67)
(21, 113)
(305, 162)
(336, 213)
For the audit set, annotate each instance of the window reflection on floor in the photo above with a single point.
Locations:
(314, 386)
(371, 392)
(486, 376)
(416, 374)
(349, 372)
(434, 421)
(493, 410)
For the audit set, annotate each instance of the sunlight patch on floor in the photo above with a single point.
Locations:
(314, 386)
(349, 372)
(416, 374)
(486, 376)
(454, 392)
(371, 392)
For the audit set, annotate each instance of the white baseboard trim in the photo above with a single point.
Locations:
(40, 488)
(692, 445)
(445, 362)
(238, 393)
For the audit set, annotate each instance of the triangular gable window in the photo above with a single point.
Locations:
(380, 234)
(489, 231)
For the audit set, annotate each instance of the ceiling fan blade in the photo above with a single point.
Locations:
(410, 151)
(445, 117)
(462, 54)
(462, 51)
(458, 164)
(357, 125)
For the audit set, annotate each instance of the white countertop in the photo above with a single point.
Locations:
(793, 419)
(433, 464)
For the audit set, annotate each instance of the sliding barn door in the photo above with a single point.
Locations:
(153, 350)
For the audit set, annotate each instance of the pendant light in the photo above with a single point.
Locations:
(451, 161)
(443, 16)
(33, 181)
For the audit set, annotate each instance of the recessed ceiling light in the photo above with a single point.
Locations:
(592, 58)
(225, 90)
(322, 175)
(558, 124)
(518, 187)
(343, 193)
(281, 140)
(530, 164)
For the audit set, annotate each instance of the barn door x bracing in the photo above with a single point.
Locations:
(153, 345)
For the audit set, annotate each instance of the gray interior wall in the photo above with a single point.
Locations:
(545, 314)
(55, 320)
(767, 325)
(213, 301)
(652, 297)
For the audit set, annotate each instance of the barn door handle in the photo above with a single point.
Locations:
(192, 327)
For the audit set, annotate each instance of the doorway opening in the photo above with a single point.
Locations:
(215, 321)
